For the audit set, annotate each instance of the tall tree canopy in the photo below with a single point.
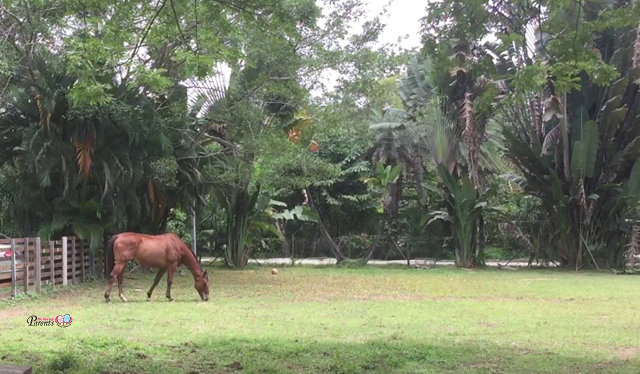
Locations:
(95, 96)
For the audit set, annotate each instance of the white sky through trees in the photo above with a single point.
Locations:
(402, 28)
(402, 19)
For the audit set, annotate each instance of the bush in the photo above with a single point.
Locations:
(355, 245)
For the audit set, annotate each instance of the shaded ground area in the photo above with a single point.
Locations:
(337, 320)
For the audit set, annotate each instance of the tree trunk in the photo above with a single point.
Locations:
(564, 129)
(374, 244)
(282, 234)
(418, 174)
(237, 226)
(481, 238)
(335, 250)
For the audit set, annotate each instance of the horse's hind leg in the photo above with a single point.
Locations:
(120, 281)
(155, 282)
(170, 272)
(117, 269)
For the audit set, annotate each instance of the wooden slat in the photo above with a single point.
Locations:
(57, 273)
(9, 279)
(13, 268)
(38, 270)
(8, 266)
(45, 277)
(26, 262)
(64, 260)
(7, 285)
(19, 276)
(73, 260)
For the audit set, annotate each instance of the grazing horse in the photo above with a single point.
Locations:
(165, 252)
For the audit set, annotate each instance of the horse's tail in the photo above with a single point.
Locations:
(111, 261)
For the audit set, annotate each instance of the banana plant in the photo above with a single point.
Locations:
(281, 215)
(384, 177)
(239, 205)
(464, 211)
(277, 210)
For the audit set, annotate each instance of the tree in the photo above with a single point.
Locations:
(568, 116)
(97, 121)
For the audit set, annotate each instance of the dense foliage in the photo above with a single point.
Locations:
(513, 132)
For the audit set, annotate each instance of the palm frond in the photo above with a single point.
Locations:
(84, 151)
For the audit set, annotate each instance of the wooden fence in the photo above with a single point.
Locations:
(34, 263)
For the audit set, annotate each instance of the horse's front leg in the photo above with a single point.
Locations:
(170, 271)
(155, 282)
(117, 269)
(120, 282)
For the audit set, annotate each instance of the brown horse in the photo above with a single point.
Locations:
(165, 252)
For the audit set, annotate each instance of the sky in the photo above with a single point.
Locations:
(402, 19)
(402, 27)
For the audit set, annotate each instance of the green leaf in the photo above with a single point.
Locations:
(438, 215)
(393, 174)
(513, 178)
(305, 213)
(590, 146)
(277, 203)
(633, 184)
(585, 151)
(387, 126)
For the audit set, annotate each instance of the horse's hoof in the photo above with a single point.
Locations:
(169, 299)
(148, 299)
(106, 300)
(124, 299)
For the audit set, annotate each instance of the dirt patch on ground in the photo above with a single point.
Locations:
(489, 325)
(484, 367)
(10, 312)
(601, 366)
(628, 353)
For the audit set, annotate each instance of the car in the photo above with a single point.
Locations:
(5, 251)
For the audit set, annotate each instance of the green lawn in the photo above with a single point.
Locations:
(338, 320)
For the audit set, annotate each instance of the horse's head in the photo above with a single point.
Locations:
(202, 286)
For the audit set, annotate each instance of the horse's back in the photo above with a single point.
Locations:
(157, 251)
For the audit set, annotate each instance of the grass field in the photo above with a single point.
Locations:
(338, 320)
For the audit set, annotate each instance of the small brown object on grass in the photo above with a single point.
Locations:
(9, 369)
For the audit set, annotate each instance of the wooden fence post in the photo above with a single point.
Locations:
(25, 261)
(52, 253)
(73, 259)
(84, 273)
(64, 260)
(14, 282)
(38, 265)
